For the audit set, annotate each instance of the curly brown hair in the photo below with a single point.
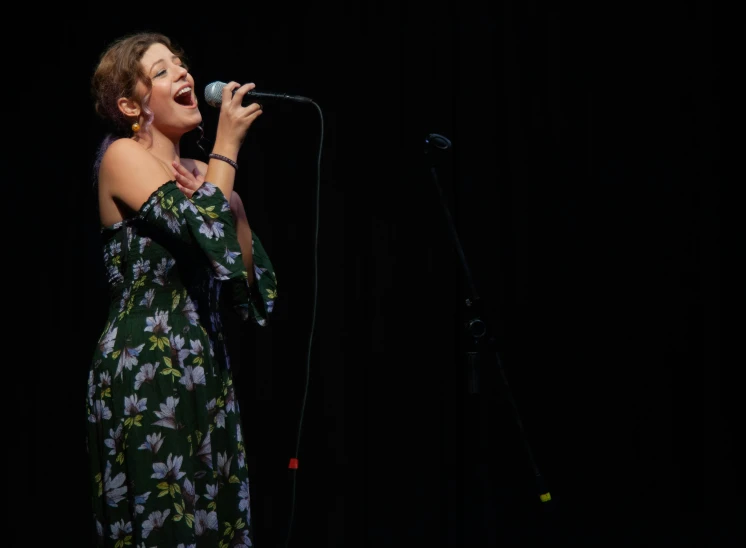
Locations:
(117, 74)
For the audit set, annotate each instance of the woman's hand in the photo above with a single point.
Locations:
(235, 119)
(187, 181)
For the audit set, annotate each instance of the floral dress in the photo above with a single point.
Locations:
(167, 455)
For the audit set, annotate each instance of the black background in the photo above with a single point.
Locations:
(584, 183)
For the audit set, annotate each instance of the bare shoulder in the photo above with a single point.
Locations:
(123, 151)
(125, 159)
(129, 174)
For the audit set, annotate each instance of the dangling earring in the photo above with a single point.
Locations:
(135, 127)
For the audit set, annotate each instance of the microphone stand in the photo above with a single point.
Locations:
(481, 343)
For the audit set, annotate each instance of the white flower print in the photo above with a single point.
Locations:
(140, 500)
(212, 229)
(154, 522)
(230, 400)
(244, 542)
(207, 189)
(160, 212)
(106, 345)
(187, 204)
(204, 453)
(158, 324)
(121, 530)
(190, 310)
(241, 461)
(152, 442)
(125, 297)
(224, 464)
(91, 387)
(258, 272)
(193, 376)
(115, 248)
(170, 470)
(245, 502)
(167, 414)
(197, 349)
(221, 272)
(134, 406)
(114, 488)
(174, 224)
(217, 412)
(147, 299)
(190, 496)
(212, 491)
(140, 268)
(146, 374)
(230, 256)
(144, 242)
(104, 380)
(204, 521)
(115, 441)
(161, 271)
(178, 352)
(114, 274)
(99, 412)
(128, 358)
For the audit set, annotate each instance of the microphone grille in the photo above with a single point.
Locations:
(214, 93)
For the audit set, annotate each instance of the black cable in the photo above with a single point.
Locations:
(294, 460)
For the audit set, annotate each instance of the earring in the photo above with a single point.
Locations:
(135, 127)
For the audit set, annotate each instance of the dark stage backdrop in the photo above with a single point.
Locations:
(583, 180)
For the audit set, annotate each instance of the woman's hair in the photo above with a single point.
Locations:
(116, 75)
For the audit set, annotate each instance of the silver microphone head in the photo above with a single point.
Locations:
(214, 93)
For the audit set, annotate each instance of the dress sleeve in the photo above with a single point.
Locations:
(205, 220)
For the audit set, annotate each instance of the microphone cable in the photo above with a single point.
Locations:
(293, 464)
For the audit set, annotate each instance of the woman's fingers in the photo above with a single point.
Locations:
(240, 92)
(186, 191)
(179, 168)
(187, 181)
(187, 175)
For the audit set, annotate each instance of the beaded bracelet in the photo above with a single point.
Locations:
(225, 159)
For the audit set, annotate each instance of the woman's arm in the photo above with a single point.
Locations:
(189, 177)
(233, 123)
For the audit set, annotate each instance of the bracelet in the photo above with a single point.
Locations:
(225, 159)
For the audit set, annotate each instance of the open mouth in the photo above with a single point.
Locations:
(184, 97)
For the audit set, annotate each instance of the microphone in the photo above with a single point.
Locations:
(214, 96)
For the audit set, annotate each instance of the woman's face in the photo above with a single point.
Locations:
(172, 98)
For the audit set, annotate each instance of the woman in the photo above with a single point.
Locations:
(168, 464)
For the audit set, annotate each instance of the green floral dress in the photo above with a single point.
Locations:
(168, 461)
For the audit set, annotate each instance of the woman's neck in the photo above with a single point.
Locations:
(160, 146)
